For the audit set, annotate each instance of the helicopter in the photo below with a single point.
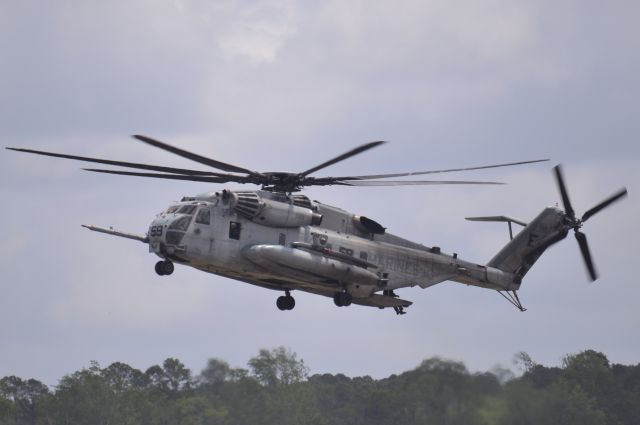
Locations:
(279, 239)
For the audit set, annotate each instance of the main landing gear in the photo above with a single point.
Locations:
(164, 268)
(342, 299)
(286, 302)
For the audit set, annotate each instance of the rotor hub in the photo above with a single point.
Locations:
(574, 223)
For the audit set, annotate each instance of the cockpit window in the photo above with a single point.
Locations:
(180, 224)
(203, 216)
(187, 209)
(172, 209)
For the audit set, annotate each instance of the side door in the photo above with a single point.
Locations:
(203, 243)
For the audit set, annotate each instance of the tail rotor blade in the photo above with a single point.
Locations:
(604, 204)
(586, 255)
(568, 209)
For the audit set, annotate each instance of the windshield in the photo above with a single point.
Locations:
(181, 223)
(187, 209)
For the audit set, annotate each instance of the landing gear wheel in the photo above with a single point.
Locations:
(160, 268)
(168, 267)
(342, 299)
(286, 302)
(291, 302)
(164, 268)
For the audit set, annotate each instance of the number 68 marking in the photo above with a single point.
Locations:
(155, 231)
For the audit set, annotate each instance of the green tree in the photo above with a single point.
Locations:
(85, 397)
(196, 410)
(560, 403)
(8, 411)
(216, 372)
(590, 369)
(178, 377)
(28, 399)
(168, 379)
(122, 377)
(246, 401)
(278, 366)
(154, 379)
(625, 401)
(587, 390)
(524, 361)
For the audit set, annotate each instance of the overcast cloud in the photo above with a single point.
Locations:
(284, 85)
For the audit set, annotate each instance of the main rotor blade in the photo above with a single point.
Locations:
(450, 170)
(342, 157)
(119, 163)
(207, 179)
(586, 255)
(568, 209)
(604, 204)
(194, 157)
(408, 182)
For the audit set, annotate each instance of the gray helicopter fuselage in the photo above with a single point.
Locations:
(290, 242)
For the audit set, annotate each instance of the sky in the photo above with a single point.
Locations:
(285, 85)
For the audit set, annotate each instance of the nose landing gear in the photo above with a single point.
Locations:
(286, 302)
(164, 268)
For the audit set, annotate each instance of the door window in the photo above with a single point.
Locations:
(234, 230)
(203, 216)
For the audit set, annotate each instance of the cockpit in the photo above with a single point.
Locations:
(172, 224)
(176, 230)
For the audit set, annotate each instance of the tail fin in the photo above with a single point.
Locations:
(549, 227)
(521, 253)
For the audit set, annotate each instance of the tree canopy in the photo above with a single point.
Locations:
(276, 389)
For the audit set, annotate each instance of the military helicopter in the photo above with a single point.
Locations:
(279, 239)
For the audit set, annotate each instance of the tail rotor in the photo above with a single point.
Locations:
(576, 223)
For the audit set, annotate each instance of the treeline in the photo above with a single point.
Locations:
(275, 389)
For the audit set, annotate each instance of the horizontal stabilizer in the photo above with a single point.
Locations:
(498, 218)
(111, 231)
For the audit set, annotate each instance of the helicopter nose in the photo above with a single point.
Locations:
(155, 234)
(156, 230)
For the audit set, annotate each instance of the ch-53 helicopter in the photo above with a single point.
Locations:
(279, 239)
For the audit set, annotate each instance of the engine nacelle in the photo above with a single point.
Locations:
(272, 213)
(279, 214)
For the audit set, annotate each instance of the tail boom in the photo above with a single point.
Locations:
(521, 253)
